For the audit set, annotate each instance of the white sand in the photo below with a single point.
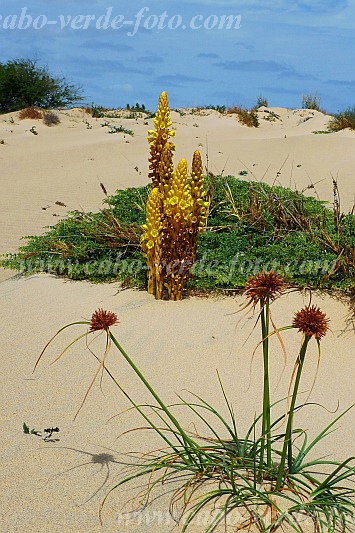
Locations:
(58, 486)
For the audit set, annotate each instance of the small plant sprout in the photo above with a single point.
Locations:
(48, 432)
(262, 102)
(27, 431)
(119, 129)
(248, 117)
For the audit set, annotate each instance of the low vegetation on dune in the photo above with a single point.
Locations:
(248, 117)
(343, 119)
(50, 118)
(130, 112)
(250, 226)
(30, 113)
(311, 101)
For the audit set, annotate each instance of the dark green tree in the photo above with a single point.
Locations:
(24, 83)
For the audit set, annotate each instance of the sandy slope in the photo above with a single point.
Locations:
(66, 163)
(57, 486)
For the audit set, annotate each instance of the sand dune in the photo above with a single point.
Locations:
(66, 163)
(58, 486)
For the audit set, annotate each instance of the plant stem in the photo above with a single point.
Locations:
(287, 446)
(187, 441)
(266, 420)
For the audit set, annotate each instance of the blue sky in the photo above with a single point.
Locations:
(281, 50)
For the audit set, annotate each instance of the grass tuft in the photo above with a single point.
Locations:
(311, 101)
(31, 113)
(344, 119)
(51, 119)
(248, 117)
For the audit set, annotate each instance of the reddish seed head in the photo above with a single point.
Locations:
(311, 321)
(263, 285)
(103, 320)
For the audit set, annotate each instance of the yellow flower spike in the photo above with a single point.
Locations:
(157, 139)
(175, 213)
(180, 177)
(166, 168)
(197, 174)
(197, 186)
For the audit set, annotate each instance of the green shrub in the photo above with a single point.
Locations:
(24, 83)
(140, 108)
(120, 129)
(98, 111)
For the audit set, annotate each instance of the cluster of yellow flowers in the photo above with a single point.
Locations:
(159, 137)
(176, 211)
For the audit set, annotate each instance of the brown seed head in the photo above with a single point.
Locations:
(263, 285)
(102, 320)
(311, 321)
